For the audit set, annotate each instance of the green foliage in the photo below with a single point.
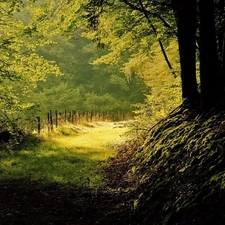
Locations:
(20, 66)
(86, 83)
(93, 79)
(133, 43)
(84, 86)
(59, 97)
(165, 88)
(125, 29)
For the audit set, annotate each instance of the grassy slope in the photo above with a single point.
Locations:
(182, 165)
(178, 171)
(71, 155)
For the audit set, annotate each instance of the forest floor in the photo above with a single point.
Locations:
(26, 201)
(171, 174)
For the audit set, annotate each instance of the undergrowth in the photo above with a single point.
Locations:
(181, 166)
(177, 169)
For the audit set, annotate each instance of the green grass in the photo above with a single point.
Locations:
(71, 155)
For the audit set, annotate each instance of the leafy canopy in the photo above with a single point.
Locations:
(20, 66)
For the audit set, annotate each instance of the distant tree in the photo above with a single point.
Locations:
(85, 86)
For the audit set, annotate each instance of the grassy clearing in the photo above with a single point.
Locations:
(71, 155)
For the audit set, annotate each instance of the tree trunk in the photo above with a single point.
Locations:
(221, 39)
(185, 12)
(209, 63)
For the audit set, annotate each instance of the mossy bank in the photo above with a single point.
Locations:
(176, 171)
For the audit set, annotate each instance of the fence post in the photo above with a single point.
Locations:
(72, 116)
(51, 121)
(75, 117)
(69, 116)
(91, 116)
(113, 116)
(86, 116)
(94, 115)
(78, 117)
(39, 124)
(65, 116)
(56, 118)
(103, 116)
(48, 116)
(107, 115)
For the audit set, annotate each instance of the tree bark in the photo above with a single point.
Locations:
(221, 38)
(185, 13)
(209, 63)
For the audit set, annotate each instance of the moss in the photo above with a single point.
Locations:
(181, 166)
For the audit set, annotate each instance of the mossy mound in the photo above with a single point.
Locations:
(180, 168)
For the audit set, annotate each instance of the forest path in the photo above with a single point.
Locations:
(25, 201)
(98, 139)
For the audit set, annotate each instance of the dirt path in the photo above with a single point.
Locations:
(26, 202)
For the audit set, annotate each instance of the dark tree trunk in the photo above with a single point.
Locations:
(185, 12)
(209, 63)
(221, 38)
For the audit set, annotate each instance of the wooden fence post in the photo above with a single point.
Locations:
(51, 121)
(48, 116)
(39, 124)
(113, 116)
(91, 115)
(77, 117)
(65, 116)
(72, 116)
(69, 116)
(56, 118)
(103, 116)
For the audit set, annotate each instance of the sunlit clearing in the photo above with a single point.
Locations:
(76, 159)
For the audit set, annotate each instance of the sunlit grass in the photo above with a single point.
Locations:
(76, 158)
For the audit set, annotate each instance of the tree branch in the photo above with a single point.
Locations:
(159, 40)
(147, 12)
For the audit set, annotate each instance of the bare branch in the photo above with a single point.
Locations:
(147, 12)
